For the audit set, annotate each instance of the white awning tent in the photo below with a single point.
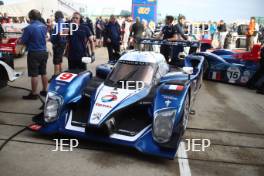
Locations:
(46, 7)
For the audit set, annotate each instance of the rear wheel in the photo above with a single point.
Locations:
(22, 52)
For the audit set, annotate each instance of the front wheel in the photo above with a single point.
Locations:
(3, 77)
(186, 114)
(3, 84)
(206, 68)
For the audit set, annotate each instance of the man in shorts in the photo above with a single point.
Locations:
(34, 37)
(99, 26)
(58, 40)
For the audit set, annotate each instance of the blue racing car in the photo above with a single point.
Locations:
(222, 66)
(143, 103)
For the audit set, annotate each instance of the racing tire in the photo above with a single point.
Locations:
(205, 47)
(241, 43)
(206, 68)
(3, 77)
(185, 115)
(21, 53)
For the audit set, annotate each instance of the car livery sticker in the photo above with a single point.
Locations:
(66, 77)
(245, 78)
(169, 97)
(216, 76)
(233, 74)
(107, 99)
(176, 87)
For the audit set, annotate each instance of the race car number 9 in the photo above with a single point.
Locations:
(66, 77)
(233, 74)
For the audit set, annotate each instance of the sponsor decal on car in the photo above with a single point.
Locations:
(109, 98)
(172, 89)
(57, 88)
(176, 87)
(216, 76)
(97, 116)
(103, 105)
(35, 127)
(169, 97)
(167, 103)
(233, 74)
(245, 78)
(66, 77)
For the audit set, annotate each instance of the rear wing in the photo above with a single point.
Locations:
(14, 28)
(7, 48)
(183, 43)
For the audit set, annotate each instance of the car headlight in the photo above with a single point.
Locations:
(163, 125)
(52, 107)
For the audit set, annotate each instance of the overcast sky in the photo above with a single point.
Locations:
(228, 10)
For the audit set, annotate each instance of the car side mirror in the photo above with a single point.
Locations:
(188, 70)
(87, 60)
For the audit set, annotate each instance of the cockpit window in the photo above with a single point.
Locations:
(130, 71)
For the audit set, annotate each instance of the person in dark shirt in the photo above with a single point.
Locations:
(113, 38)
(136, 33)
(222, 26)
(42, 21)
(168, 33)
(104, 33)
(179, 28)
(222, 33)
(5, 19)
(49, 25)
(99, 27)
(77, 44)
(260, 71)
(58, 40)
(34, 37)
(251, 84)
(89, 23)
(2, 32)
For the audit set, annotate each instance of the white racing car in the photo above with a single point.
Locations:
(7, 72)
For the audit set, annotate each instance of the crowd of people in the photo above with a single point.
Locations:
(220, 32)
(115, 34)
(4, 18)
(73, 43)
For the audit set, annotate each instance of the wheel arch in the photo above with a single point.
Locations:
(5, 71)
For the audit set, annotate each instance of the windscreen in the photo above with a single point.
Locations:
(130, 71)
